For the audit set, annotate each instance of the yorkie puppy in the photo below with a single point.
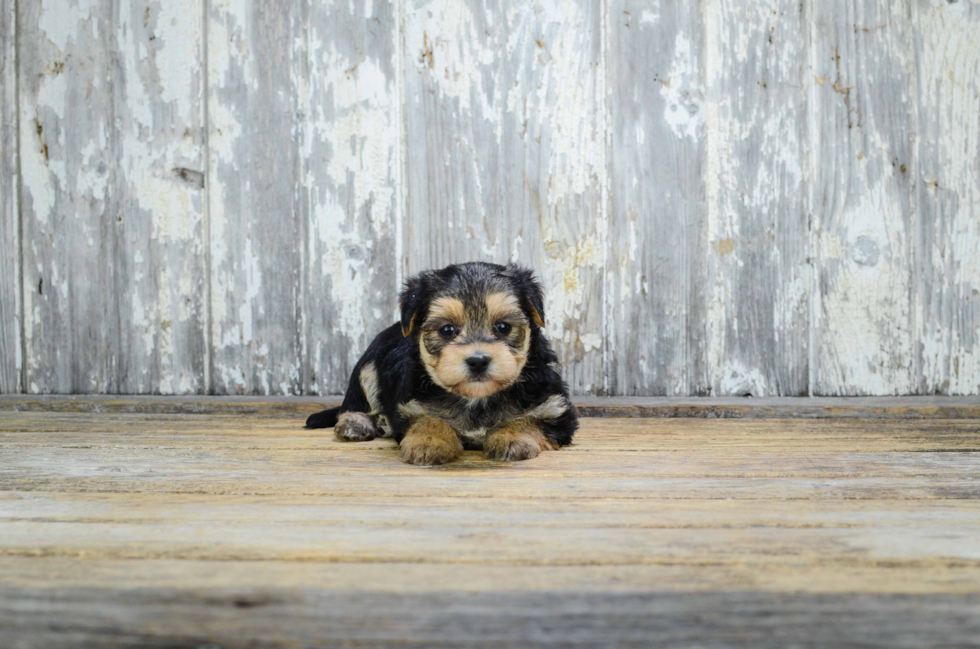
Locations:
(467, 367)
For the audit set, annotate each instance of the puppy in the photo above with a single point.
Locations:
(466, 368)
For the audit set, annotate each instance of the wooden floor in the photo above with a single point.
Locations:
(218, 530)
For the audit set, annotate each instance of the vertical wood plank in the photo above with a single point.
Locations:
(256, 67)
(505, 154)
(10, 343)
(947, 44)
(110, 105)
(159, 291)
(352, 151)
(657, 199)
(68, 168)
(861, 94)
(758, 290)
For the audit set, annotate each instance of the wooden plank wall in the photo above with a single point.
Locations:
(111, 114)
(947, 195)
(727, 198)
(10, 320)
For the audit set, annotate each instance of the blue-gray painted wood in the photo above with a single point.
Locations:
(721, 197)
(10, 320)
(505, 154)
(304, 156)
(862, 94)
(655, 268)
(110, 108)
(353, 153)
(758, 285)
(947, 184)
(256, 70)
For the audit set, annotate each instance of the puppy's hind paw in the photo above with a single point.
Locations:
(355, 427)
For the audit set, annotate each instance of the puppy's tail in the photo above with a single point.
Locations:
(324, 419)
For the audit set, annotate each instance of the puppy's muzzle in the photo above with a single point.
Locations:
(478, 364)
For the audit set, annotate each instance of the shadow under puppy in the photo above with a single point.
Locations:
(467, 367)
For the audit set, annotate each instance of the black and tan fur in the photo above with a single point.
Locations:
(467, 367)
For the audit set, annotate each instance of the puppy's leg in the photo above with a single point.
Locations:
(521, 439)
(355, 427)
(430, 441)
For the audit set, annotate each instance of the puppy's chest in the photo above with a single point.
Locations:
(472, 437)
(472, 428)
(471, 423)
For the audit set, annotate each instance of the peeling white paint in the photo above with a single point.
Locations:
(178, 30)
(948, 46)
(353, 143)
(590, 341)
(752, 199)
(59, 20)
(682, 93)
(533, 69)
(362, 135)
(649, 17)
(863, 230)
(737, 379)
(577, 153)
(40, 171)
(434, 35)
(564, 277)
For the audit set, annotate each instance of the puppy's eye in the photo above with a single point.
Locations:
(448, 332)
(502, 328)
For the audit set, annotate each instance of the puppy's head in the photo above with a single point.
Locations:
(473, 324)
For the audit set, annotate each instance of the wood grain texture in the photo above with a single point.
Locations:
(257, 71)
(10, 316)
(110, 120)
(861, 134)
(657, 146)
(505, 154)
(352, 155)
(740, 460)
(68, 162)
(125, 530)
(725, 198)
(947, 270)
(159, 251)
(758, 291)
(254, 618)
(631, 407)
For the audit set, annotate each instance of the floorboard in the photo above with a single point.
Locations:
(157, 529)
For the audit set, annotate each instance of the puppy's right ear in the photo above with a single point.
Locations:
(412, 301)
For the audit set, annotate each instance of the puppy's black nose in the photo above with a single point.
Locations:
(478, 363)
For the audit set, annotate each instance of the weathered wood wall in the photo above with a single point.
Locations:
(723, 197)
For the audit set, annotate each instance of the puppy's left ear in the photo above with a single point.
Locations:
(529, 292)
(412, 301)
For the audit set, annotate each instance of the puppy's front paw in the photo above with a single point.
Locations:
(520, 440)
(422, 452)
(430, 441)
(511, 449)
(355, 427)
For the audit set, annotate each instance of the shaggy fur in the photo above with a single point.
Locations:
(466, 367)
